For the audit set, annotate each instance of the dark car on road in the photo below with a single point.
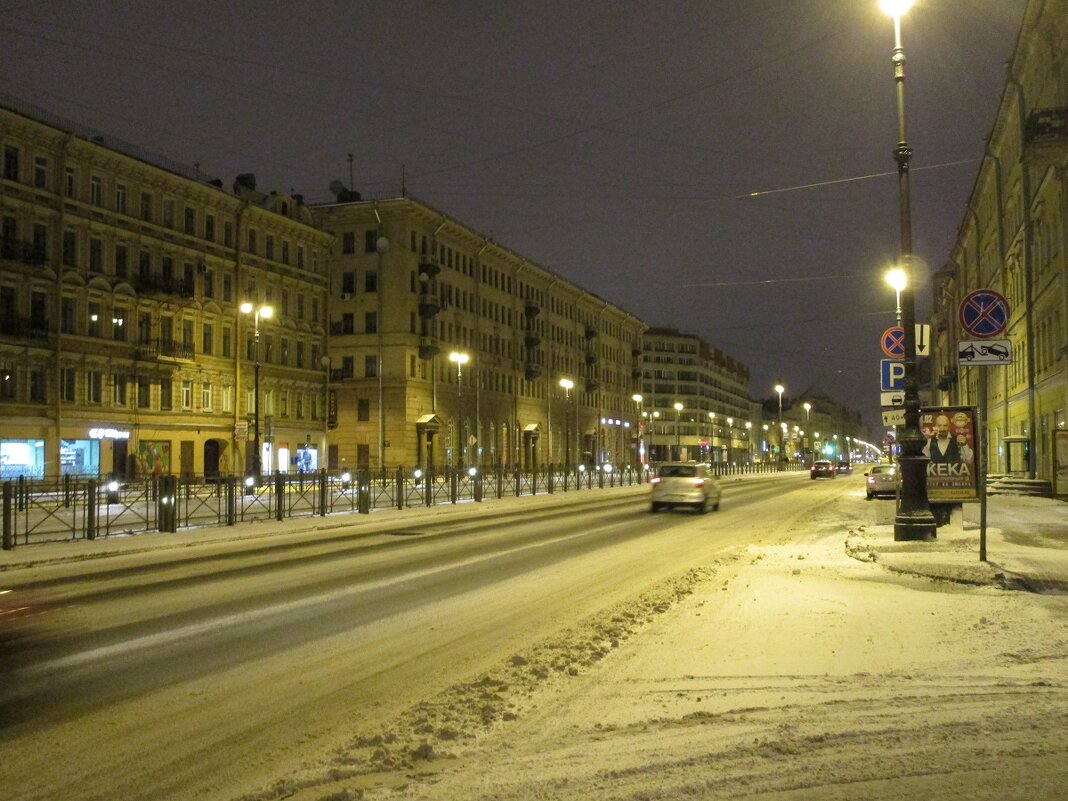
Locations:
(822, 469)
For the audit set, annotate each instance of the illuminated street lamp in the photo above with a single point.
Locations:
(678, 424)
(782, 446)
(459, 359)
(896, 277)
(730, 439)
(257, 312)
(568, 385)
(808, 417)
(749, 439)
(711, 436)
(913, 520)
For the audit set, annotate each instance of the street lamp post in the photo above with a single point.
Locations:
(711, 436)
(638, 452)
(913, 520)
(730, 440)
(749, 440)
(568, 384)
(459, 359)
(782, 445)
(897, 279)
(257, 312)
(678, 430)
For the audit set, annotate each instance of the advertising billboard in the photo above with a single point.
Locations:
(952, 447)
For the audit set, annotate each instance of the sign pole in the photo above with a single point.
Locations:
(982, 462)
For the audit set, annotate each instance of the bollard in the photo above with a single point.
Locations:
(363, 492)
(90, 509)
(428, 487)
(478, 487)
(231, 500)
(552, 477)
(279, 495)
(322, 492)
(9, 517)
(399, 481)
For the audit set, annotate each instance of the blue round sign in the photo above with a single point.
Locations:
(984, 313)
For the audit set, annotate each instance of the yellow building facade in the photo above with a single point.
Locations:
(123, 347)
(1014, 240)
(448, 349)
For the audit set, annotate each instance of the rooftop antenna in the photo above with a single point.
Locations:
(350, 172)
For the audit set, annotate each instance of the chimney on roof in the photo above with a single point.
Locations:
(246, 180)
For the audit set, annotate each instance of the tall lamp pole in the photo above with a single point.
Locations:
(257, 312)
(913, 520)
(568, 385)
(459, 359)
(638, 451)
(678, 432)
(782, 445)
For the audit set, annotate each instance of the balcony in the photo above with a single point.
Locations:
(156, 284)
(591, 359)
(428, 267)
(532, 309)
(531, 340)
(429, 305)
(25, 252)
(165, 349)
(428, 348)
(1046, 136)
(592, 385)
(533, 371)
(591, 332)
(340, 374)
(23, 327)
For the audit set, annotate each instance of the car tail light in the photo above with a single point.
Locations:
(655, 480)
(698, 482)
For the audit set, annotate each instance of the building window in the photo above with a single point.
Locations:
(300, 256)
(166, 392)
(226, 341)
(269, 246)
(209, 227)
(228, 233)
(187, 394)
(96, 191)
(95, 388)
(40, 172)
(252, 243)
(190, 220)
(8, 384)
(363, 410)
(67, 379)
(370, 281)
(146, 207)
(70, 182)
(284, 352)
(118, 324)
(348, 242)
(227, 394)
(96, 255)
(285, 251)
(300, 354)
(67, 316)
(70, 249)
(228, 288)
(205, 396)
(370, 366)
(120, 198)
(144, 392)
(370, 322)
(38, 387)
(92, 327)
(207, 339)
(118, 389)
(209, 284)
(348, 282)
(144, 264)
(121, 257)
(370, 240)
(168, 213)
(348, 324)
(11, 163)
(144, 327)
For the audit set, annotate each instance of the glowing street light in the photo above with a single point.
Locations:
(459, 359)
(257, 312)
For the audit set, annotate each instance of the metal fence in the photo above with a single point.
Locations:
(43, 510)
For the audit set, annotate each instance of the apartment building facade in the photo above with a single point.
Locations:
(123, 346)
(1014, 240)
(695, 401)
(448, 349)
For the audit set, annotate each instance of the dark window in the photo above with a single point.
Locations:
(144, 392)
(38, 386)
(11, 163)
(166, 392)
(363, 410)
(370, 322)
(370, 240)
(348, 242)
(348, 282)
(370, 366)
(370, 281)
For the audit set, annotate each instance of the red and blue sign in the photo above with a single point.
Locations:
(893, 342)
(984, 313)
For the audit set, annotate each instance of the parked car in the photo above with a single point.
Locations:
(845, 468)
(822, 469)
(685, 484)
(882, 479)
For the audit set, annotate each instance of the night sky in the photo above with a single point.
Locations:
(614, 143)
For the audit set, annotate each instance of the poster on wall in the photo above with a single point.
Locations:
(952, 448)
(153, 458)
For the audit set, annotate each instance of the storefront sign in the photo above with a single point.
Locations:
(108, 433)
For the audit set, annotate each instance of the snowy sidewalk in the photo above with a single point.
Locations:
(1026, 548)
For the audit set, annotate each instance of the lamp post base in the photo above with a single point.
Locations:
(915, 526)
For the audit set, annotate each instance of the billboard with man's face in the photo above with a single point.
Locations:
(952, 447)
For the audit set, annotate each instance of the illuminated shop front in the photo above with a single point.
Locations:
(22, 457)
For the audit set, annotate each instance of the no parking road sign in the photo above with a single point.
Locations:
(984, 313)
(893, 342)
